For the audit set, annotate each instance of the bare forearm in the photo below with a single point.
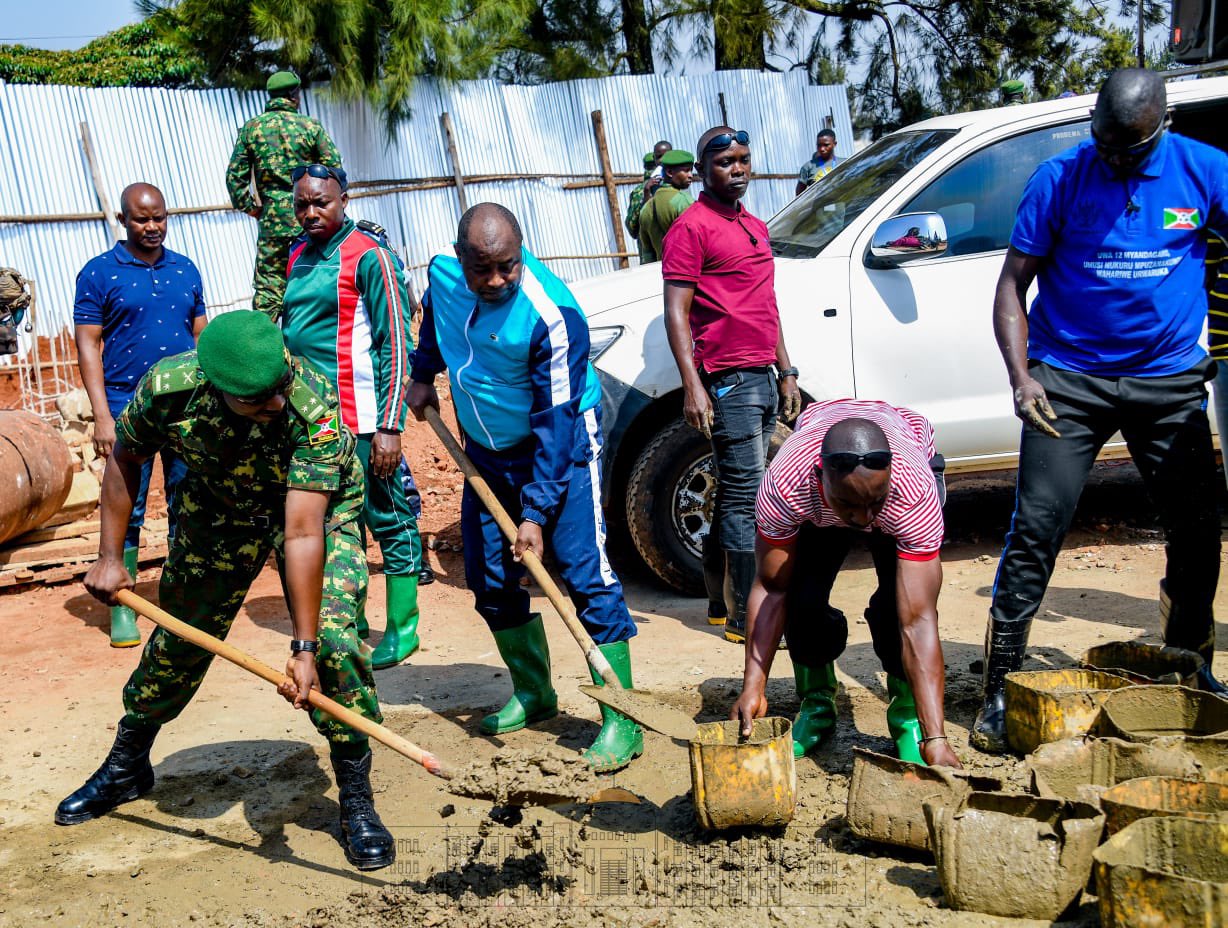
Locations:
(923, 665)
(120, 482)
(89, 360)
(765, 622)
(305, 582)
(782, 353)
(678, 331)
(1010, 328)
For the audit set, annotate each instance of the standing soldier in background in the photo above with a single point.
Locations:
(270, 146)
(635, 202)
(667, 204)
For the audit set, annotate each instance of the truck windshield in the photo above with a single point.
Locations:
(808, 224)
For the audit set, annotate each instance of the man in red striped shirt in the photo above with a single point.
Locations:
(851, 468)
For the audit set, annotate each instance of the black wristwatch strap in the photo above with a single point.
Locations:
(298, 645)
(788, 372)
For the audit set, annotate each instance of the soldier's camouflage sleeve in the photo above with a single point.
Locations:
(142, 426)
(239, 174)
(327, 153)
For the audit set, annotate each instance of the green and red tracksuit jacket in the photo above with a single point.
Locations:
(347, 311)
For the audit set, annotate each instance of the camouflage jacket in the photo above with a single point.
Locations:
(634, 203)
(274, 144)
(239, 469)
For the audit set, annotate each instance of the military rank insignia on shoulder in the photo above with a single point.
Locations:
(323, 430)
(177, 375)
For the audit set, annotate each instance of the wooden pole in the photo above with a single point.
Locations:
(88, 145)
(720, 99)
(445, 119)
(611, 191)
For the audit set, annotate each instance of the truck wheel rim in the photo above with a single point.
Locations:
(693, 502)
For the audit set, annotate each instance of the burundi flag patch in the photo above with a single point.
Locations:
(323, 430)
(1176, 217)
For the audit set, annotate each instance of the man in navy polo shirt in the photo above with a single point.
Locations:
(1115, 232)
(136, 304)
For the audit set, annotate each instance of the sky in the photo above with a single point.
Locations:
(62, 23)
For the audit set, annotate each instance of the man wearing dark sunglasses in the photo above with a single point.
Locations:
(1114, 231)
(725, 334)
(852, 469)
(269, 147)
(270, 468)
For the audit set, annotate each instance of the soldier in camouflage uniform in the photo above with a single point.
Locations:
(271, 467)
(635, 202)
(272, 145)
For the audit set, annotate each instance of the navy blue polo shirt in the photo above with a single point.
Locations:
(1121, 286)
(146, 312)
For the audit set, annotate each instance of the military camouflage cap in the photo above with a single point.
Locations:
(282, 80)
(676, 157)
(242, 353)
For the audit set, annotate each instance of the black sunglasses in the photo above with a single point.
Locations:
(1138, 149)
(280, 387)
(849, 461)
(321, 171)
(724, 140)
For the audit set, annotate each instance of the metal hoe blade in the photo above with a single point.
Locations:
(645, 709)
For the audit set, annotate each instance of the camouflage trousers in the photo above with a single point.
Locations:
(207, 574)
(269, 280)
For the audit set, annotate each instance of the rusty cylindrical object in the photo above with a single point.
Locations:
(737, 782)
(1052, 705)
(35, 472)
(1144, 663)
(1142, 713)
(1144, 797)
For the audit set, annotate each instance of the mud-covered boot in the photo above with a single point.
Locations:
(1005, 644)
(620, 740)
(401, 633)
(739, 577)
(816, 716)
(902, 721)
(124, 633)
(368, 844)
(125, 775)
(527, 654)
(1180, 632)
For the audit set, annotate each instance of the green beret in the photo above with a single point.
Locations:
(1013, 87)
(282, 80)
(242, 353)
(676, 157)
(650, 160)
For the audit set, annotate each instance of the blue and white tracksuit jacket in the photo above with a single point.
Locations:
(528, 402)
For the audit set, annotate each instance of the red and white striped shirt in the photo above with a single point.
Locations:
(791, 491)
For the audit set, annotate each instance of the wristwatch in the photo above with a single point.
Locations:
(788, 372)
(298, 645)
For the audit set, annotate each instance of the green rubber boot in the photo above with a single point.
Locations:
(902, 720)
(527, 654)
(816, 716)
(401, 633)
(124, 633)
(620, 740)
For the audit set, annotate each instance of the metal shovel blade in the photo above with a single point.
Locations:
(645, 709)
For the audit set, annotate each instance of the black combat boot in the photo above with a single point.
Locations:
(368, 844)
(739, 577)
(125, 775)
(1005, 643)
(1180, 631)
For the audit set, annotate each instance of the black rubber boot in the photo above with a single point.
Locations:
(1180, 632)
(1005, 644)
(125, 775)
(714, 578)
(739, 577)
(368, 844)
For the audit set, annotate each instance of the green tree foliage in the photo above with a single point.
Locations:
(133, 56)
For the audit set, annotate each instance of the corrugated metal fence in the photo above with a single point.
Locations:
(181, 141)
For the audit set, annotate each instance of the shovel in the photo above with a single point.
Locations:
(639, 706)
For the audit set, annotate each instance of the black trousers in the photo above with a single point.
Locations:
(818, 633)
(1164, 422)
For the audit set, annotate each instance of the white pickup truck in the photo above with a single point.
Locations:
(885, 275)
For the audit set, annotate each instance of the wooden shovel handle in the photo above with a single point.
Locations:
(195, 636)
(592, 653)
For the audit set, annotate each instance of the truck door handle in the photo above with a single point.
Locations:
(829, 313)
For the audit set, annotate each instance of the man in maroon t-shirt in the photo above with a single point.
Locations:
(724, 330)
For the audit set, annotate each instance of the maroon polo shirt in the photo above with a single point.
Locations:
(724, 252)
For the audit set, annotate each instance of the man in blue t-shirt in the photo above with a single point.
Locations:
(136, 304)
(1114, 231)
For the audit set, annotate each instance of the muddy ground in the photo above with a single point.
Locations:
(241, 828)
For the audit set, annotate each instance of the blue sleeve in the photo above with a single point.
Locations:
(1035, 231)
(1218, 213)
(558, 368)
(198, 291)
(426, 360)
(88, 305)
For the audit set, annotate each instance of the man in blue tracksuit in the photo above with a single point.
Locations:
(515, 345)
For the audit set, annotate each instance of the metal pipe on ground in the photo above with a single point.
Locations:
(35, 472)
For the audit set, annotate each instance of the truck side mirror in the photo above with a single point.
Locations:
(907, 237)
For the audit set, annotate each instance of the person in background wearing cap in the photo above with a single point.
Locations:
(1012, 92)
(135, 304)
(823, 162)
(268, 148)
(667, 204)
(270, 467)
(347, 311)
(725, 333)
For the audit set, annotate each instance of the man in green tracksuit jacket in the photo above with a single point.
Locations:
(346, 310)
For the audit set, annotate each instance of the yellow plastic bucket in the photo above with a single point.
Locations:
(739, 782)
(1052, 705)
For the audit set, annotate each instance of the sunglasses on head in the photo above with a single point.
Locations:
(259, 400)
(848, 461)
(1138, 149)
(321, 171)
(724, 140)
